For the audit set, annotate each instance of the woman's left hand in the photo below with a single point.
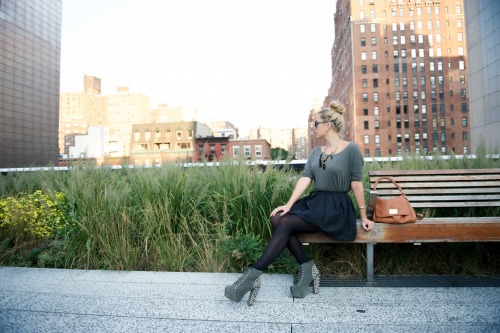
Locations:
(367, 224)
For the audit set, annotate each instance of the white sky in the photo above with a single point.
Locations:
(253, 63)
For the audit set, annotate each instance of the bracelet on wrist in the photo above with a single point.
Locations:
(362, 207)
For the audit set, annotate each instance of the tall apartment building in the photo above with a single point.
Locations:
(483, 47)
(80, 110)
(30, 56)
(124, 109)
(399, 66)
(165, 114)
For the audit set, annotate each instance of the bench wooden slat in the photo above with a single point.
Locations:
(443, 177)
(438, 184)
(456, 204)
(434, 172)
(446, 191)
(481, 229)
(472, 198)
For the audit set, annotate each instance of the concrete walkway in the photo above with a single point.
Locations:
(53, 300)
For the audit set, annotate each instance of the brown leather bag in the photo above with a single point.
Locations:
(393, 210)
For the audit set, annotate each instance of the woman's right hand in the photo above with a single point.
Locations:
(284, 209)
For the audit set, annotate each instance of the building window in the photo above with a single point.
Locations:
(375, 83)
(366, 125)
(462, 93)
(362, 28)
(365, 97)
(236, 151)
(363, 55)
(247, 151)
(464, 107)
(375, 111)
(375, 69)
(363, 69)
(374, 40)
(365, 111)
(258, 151)
(363, 41)
(367, 139)
(365, 83)
(375, 97)
(374, 55)
(464, 121)
(372, 27)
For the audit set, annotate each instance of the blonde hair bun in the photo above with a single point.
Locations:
(336, 106)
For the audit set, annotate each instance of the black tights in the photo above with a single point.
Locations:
(285, 227)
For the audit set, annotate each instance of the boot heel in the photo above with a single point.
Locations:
(315, 280)
(253, 293)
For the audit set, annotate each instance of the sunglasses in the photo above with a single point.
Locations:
(316, 123)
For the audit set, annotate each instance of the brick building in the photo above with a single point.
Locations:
(399, 67)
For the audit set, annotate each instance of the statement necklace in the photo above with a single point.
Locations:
(323, 158)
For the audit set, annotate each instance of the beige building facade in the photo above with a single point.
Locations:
(158, 143)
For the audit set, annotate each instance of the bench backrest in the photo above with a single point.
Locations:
(442, 188)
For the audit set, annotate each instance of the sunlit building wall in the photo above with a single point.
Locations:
(483, 47)
(30, 57)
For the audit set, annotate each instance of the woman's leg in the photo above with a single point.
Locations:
(285, 228)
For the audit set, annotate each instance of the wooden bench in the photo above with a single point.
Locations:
(431, 191)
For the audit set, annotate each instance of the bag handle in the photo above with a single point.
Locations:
(419, 216)
(392, 181)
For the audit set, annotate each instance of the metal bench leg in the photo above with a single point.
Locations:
(369, 262)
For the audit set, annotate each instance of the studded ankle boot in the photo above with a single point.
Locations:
(308, 272)
(249, 281)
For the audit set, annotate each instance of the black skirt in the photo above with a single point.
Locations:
(330, 212)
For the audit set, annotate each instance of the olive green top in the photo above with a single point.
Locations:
(342, 168)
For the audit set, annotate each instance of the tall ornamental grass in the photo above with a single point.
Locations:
(209, 218)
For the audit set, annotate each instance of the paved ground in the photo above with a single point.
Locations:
(53, 300)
